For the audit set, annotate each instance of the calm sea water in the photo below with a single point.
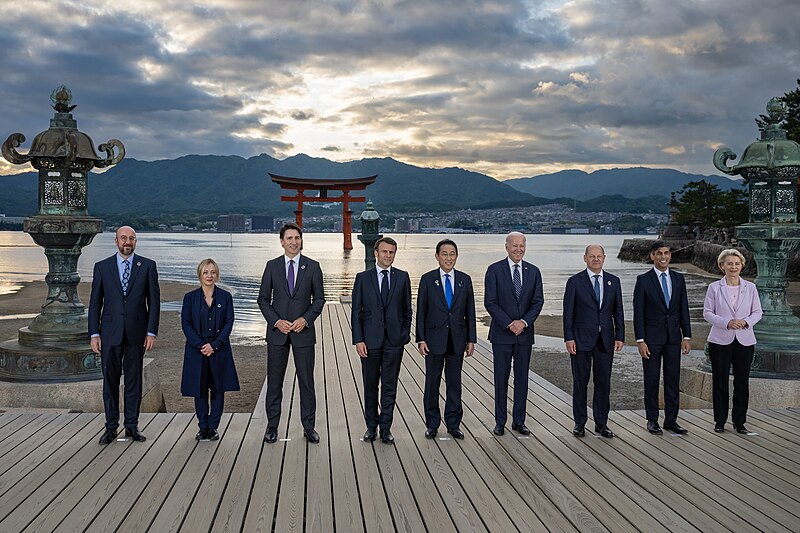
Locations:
(242, 257)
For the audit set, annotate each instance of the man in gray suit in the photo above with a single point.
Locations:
(291, 298)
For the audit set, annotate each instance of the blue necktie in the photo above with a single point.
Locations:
(448, 291)
(517, 279)
(597, 288)
(126, 276)
(664, 287)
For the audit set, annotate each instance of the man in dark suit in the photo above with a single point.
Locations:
(594, 328)
(381, 322)
(291, 298)
(663, 331)
(445, 332)
(124, 309)
(514, 299)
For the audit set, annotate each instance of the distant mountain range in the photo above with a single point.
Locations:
(232, 184)
(627, 182)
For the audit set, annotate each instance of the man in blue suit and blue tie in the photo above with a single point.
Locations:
(445, 333)
(594, 328)
(514, 298)
(124, 309)
(381, 322)
(663, 332)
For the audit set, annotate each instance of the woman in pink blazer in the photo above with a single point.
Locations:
(732, 307)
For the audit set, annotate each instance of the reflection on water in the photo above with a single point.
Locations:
(242, 257)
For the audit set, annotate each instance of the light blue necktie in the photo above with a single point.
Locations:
(597, 288)
(126, 276)
(664, 287)
(448, 291)
(517, 279)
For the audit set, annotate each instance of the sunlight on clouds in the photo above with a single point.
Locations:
(151, 71)
(674, 150)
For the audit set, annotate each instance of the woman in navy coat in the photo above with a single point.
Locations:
(208, 368)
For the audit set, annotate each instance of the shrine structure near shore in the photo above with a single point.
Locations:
(323, 186)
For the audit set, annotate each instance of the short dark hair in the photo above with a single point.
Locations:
(387, 240)
(291, 225)
(659, 244)
(446, 241)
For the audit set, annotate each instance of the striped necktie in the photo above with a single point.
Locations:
(517, 279)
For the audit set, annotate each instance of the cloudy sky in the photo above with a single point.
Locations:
(508, 88)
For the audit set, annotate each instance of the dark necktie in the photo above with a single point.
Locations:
(385, 287)
(126, 276)
(517, 279)
(665, 288)
(448, 291)
(290, 277)
(597, 288)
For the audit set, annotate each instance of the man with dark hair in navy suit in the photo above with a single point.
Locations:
(514, 298)
(291, 298)
(381, 323)
(445, 332)
(663, 332)
(594, 328)
(124, 309)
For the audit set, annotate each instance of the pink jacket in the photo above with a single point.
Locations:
(718, 310)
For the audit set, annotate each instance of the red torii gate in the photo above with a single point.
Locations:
(345, 186)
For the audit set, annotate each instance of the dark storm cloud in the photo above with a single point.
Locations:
(508, 87)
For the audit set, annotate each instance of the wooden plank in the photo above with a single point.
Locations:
(119, 506)
(784, 416)
(143, 510)
(673, 457)
(81, 483)
(232, 509)
(290, 508)
(319, 495)
(7, 418)
(175, 506)
(23, 461)
(349, 481)
(261, 505)
(744, 451)
(203, 509)
(15, 424)
(83, 511)
(49, 476)
(23, 439)
(404, 506)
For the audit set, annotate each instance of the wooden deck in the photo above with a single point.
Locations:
(55, 477)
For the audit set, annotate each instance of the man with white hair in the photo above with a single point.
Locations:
(514, 298)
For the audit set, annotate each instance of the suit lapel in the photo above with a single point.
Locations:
(657, 284)
(587, 285)
(114, 270)
(372, 281)
(437, 286)
(301, 266)
(392, 284)
(135, 267)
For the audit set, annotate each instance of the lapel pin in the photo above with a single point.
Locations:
(609, 283)
(138, 263)
(302, 267)
(219, 305)
(436, 282)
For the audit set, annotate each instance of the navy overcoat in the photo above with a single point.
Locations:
(222, 366)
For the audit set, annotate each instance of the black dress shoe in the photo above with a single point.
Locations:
(109, 436)
(430, 433)
(499, 430)
(579, 430)
(212, 434)
(201, 435)
(133, 433)
(719, 428)
(369, 435)
(522, 429)
(456, 433)
(311, 435)
(740, 429)
(603, 431)
(387, 437)
(271, 435)
(654, 428)
(674, 428)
